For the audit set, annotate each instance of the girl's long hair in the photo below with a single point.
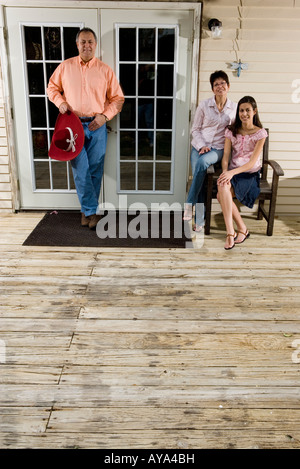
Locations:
(238, 123)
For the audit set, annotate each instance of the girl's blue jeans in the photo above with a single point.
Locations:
(199, 164)
(88, 168)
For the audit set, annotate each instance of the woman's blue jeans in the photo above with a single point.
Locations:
(88, 168)
(199, 164)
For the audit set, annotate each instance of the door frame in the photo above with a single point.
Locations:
(196, 8)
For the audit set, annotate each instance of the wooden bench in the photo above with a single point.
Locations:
(268, 190)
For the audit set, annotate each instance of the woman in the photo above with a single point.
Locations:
(244, 141)
(212, 116)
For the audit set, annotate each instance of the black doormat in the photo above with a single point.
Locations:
(115, 229)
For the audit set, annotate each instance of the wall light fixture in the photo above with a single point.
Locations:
(215, 26)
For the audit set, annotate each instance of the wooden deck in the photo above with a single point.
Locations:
(112, 348)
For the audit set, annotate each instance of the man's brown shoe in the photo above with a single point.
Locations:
(85, 220)
(93, 221)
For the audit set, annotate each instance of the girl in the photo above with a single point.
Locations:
(244, 140)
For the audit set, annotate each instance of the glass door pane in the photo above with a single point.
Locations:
(147, 73)
(45, 47)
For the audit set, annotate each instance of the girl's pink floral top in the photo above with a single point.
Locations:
(242, 147)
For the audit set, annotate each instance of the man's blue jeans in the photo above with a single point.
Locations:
(199, 164)
(88, 168)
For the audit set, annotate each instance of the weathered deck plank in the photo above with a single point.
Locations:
(115, 348)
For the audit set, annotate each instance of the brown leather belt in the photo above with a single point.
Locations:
(87, 119)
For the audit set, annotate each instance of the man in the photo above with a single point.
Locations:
(89, 88)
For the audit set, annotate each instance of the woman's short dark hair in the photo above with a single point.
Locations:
(218, 74)
(86, 30)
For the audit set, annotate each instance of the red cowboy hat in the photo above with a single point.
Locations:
(68, 137)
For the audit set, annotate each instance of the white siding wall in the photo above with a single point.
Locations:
(266, 35)
(5, 177)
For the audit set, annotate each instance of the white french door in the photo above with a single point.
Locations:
(39, 39)
(151, 51)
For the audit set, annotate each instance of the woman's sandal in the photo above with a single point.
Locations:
(197, 228)
(233, 236)
(246, 235)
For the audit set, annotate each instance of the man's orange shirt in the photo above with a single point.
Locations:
(89, 88)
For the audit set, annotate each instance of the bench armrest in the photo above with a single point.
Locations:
(276, 167)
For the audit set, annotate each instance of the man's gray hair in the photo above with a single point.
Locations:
(86, 30)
